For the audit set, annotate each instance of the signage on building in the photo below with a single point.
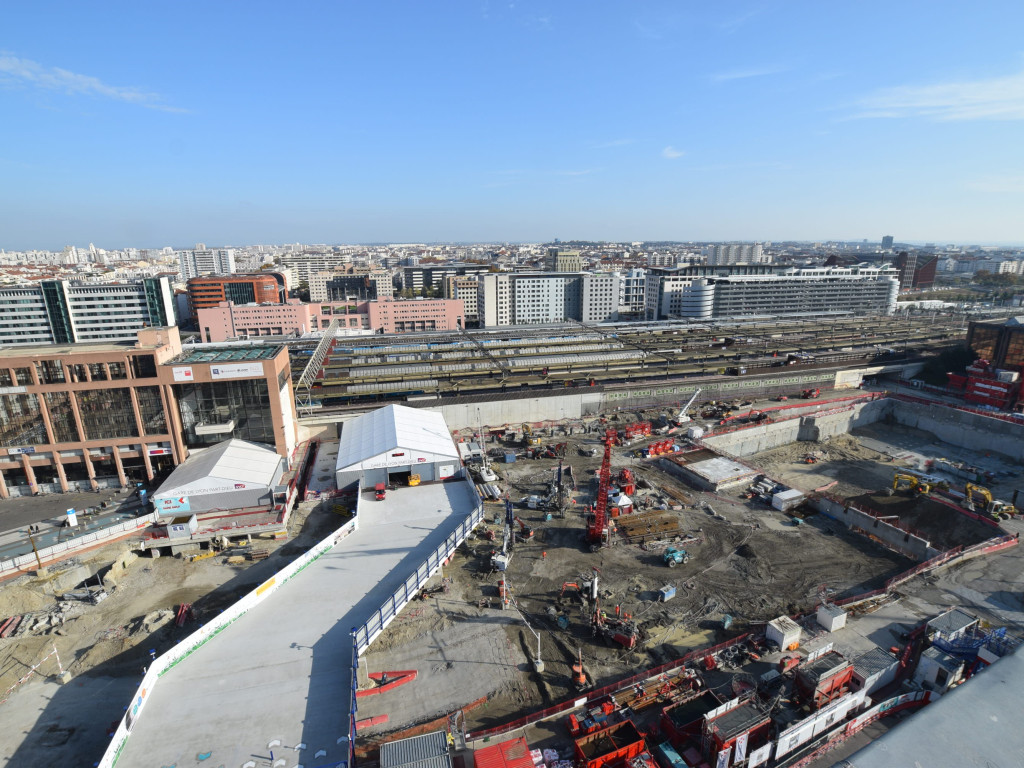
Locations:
(173, 504)
(26, 449)
(236, 371)
(183, 374)
(159, 451)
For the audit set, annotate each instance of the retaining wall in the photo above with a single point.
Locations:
(892, 537)
(967, 430)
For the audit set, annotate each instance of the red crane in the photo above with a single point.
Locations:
(597, 521)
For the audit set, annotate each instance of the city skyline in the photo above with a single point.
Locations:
(514, 122)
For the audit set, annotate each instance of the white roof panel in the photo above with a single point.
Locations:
(231, 463)
(391, 427)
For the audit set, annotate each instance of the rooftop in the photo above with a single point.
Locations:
(874, 661)
(227, 355)
(737, 721)
(825, 665)
(427, 751)
(952, 621)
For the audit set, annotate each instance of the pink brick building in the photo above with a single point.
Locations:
(231, 321)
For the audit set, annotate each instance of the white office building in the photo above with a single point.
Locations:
(62, 312)
(862, 289)
(734, 253)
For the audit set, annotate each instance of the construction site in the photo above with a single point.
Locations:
(635, 541)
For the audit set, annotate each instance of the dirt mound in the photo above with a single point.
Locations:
(15, 599)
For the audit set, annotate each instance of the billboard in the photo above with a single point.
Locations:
(183, 374)
(236, 371)
(172, 504)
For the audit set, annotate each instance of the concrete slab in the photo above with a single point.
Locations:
(282, 671)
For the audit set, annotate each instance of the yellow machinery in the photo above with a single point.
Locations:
(908, 482)
(999, 510)
(414, 480)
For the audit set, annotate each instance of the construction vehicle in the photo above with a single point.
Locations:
(908, 482)
(597, 521)
(579, 677)
(810, 394)
(615, 629)
(675, 556)
(528, 437)
(999, 510)
(683, 417)
(525, 531)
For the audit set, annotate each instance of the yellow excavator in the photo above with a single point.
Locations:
(999, 510)
(910, 483)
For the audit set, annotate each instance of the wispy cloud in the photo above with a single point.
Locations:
(14, 69)
(610, 144)
(731, 25)
(743, 74)
(997, 98)
(671, 153)
(1000, 184)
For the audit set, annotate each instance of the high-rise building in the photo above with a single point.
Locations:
(202, 261)
(532, 298)
(887, 241)
(65, 312)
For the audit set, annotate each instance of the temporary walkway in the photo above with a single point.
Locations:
(279, 678)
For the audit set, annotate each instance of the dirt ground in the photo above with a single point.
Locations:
(748, 564)
(115, 637)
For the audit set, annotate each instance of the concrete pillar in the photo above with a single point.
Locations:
(30, 474)
(4, 493)
(119, 466)
(61, 477)
(175, 429)
(146, 460)
(44, 411)
(90, 470)
(139, 426)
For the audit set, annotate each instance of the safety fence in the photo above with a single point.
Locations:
(54, 552)
(1012, 418)
(201, 636)
(598, 693)
(368, 631)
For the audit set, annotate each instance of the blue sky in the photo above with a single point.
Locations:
(155, 124)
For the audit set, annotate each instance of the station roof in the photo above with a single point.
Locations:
(232, 464)
(391, 427)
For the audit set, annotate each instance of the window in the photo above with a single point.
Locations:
(117, 371)
(21, 423)
(97, 372)
(143, 367)
(62, 418)
(77, 372)
(5, 377)
(107, 413)
(246, 403)
(151, 409)
(50, 371)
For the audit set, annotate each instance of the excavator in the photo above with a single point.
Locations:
(525, 531)
(999, 510)
(910, 483)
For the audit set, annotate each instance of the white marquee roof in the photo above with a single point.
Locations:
(223, 466)
(392, 427)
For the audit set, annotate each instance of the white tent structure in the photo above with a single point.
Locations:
(234, 474)
(394, 442)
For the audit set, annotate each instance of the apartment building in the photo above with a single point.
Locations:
(863, 289)
(734, 253)
(65, 312)
(358, 282)
(416, 278)
(305, 265)
(465, 289)
(536, 298)
(219, 261)
(563, 261)
(83, 416)
(632, 293)
(259, 288)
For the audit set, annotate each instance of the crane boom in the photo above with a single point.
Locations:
(597, 524)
